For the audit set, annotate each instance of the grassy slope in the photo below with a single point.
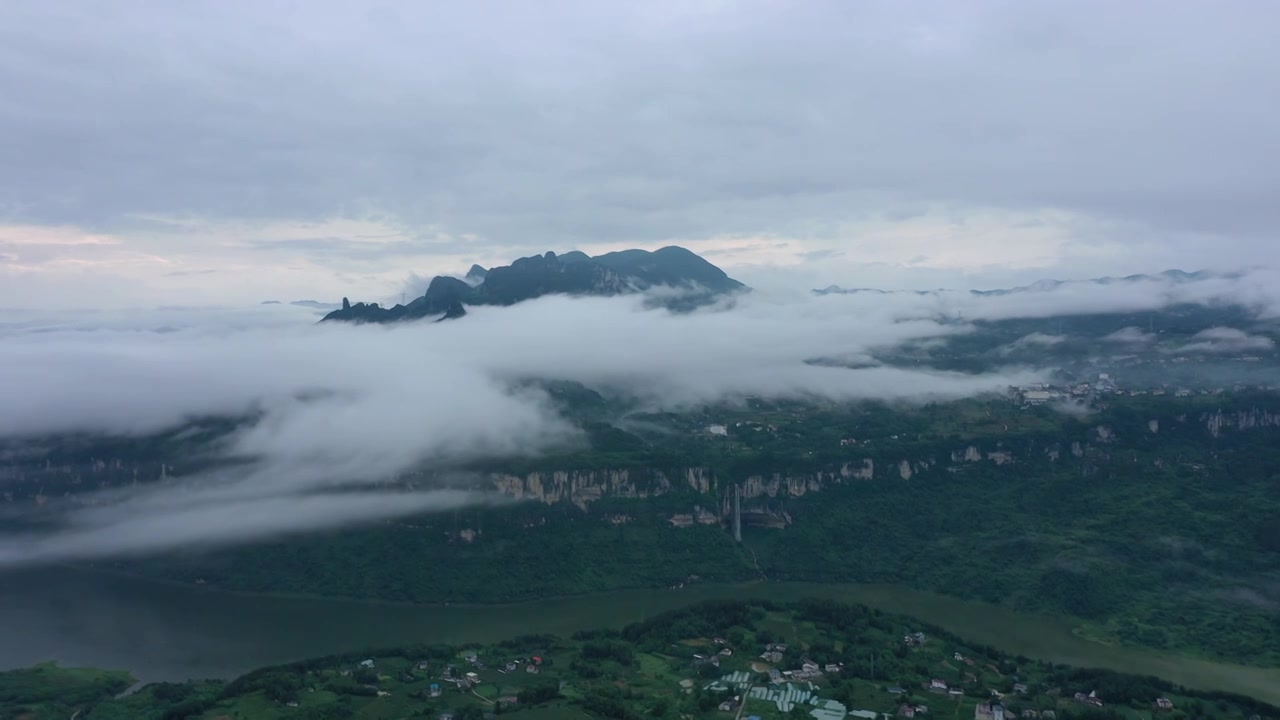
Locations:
(51, 692)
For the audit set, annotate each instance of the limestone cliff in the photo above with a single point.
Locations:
(587, 486)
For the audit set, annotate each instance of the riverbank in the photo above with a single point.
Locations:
(164, 631)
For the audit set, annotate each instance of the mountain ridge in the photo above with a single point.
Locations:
(573, 273)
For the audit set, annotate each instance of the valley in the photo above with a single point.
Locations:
(1118, 507)
(1160, 538)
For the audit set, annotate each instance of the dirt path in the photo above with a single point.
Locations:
(756, 561)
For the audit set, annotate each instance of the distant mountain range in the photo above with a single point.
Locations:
(573, 273)
(1177, 276)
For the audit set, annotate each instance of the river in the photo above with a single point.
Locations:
(161, 631)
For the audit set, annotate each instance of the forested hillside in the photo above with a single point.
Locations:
(1153, 521)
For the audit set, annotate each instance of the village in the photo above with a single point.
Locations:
(768, 688)
(772, 680)
(718, 661)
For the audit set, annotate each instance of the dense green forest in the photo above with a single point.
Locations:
(1168, 538)
(699, 662)
(1164, 531)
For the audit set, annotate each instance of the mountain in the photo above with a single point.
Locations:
(444, 300)
(573, 273)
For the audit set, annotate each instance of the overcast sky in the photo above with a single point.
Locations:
(208, 152)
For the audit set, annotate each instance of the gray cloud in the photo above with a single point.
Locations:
(566, 123)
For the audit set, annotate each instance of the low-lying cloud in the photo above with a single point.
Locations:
(1227, 340)
(136, 525)
(1131, 336)
(341, 410)
(1033, 341)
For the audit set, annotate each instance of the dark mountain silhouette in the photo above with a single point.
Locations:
(573, 273)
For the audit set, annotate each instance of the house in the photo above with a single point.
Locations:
(728, 706)
(718, 641)
(1020, 688)
(508, 700)
(726, 652)
(988, 711)
(366, 663)
(937, 685)
(906, 711)
(809, 666)
(473, 678)
(1163, 704)
(531, 669)
(832, 667)
(1049, 715)
(1035, 397)
(954, 693)
(1030, 714)
(774, 675)
(434, 690)
(895, 690)
(446, 716)
(1090, 699)
(509, 667)
(470, 656)
(864, 714)
(959, 657)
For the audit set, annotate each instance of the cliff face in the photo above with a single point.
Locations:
(1100, 441)
(1253, 419)
(37, 479)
